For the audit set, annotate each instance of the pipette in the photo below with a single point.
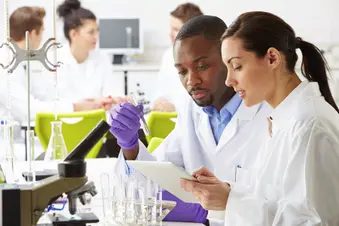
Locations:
(133, 100)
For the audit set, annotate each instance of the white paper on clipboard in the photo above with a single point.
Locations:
(167, 175)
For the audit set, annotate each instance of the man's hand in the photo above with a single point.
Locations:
(163, 105)
(125, 123)
(184, 212)
(209, 190)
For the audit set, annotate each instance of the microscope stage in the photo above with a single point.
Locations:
(79, 219)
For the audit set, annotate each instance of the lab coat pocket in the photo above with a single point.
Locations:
(242, 176)
(269, 191)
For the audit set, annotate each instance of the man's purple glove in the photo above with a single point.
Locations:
(185, 212)
(125, 123)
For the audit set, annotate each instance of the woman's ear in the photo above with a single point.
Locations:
(273, 57)
(72, 33)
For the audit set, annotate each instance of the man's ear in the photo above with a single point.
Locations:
(273, 57)
(32, 34)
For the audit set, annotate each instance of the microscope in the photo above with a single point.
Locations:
(23, 205)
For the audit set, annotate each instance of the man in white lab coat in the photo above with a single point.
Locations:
(169, 91)
(214, 129)
(14, 85)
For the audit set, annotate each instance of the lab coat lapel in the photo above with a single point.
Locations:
(228, 133)
(205, 133)
(241, 117)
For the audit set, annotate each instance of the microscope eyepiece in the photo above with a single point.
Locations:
(74, 164)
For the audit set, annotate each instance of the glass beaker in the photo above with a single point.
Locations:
(56, 149)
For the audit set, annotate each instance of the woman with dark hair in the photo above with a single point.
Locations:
(85, 72)
(296, 181)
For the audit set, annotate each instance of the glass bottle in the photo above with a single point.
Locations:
(56, 149)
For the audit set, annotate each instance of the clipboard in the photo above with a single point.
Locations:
(167, 175)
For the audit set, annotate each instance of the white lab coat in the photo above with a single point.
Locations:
(297, 176)
(41, 94)
(169, 85)
(334, 82)
(191, 144)
(91, 79)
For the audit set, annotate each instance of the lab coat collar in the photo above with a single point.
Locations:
(205, 133)
(284, 111)
(242, 115)
(229, 108)
(67, 57)
(247, 113)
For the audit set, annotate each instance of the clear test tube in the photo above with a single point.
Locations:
(106, 198)
(31, 177)
(133, 100)
(154, 203)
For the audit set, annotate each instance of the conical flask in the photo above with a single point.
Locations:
(56, 147)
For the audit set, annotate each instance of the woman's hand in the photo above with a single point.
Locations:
(209, 190)
(109, 102)
(163, 105)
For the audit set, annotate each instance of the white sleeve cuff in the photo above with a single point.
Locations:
(243, 208)
(144, 155)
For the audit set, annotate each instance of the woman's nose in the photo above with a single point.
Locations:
(230, 81)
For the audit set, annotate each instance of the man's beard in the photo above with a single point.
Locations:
(204, 102)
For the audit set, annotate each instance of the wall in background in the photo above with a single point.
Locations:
(315, 21)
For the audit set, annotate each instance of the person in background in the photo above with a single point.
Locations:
(169, 91)
(31, 19)
(214, 128)
(85, 73)
(296, 176)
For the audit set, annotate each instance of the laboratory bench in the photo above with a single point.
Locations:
(95, 169)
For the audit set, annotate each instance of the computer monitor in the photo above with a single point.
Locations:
(121, 36)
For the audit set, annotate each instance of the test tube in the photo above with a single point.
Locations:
(105, 192)
(30, 142)
(130, 187)
(154, 203)
(133, 100)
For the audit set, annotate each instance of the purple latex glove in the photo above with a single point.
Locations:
(185, 212)
(125, 123)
